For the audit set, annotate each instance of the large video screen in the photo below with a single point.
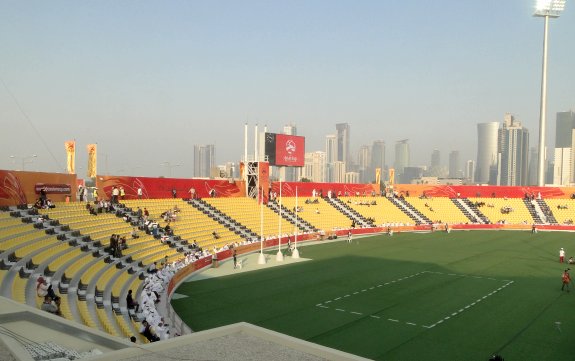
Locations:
(285, 150)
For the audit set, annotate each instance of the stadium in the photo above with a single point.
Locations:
(359, 272)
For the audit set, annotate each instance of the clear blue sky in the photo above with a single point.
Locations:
(147, 80)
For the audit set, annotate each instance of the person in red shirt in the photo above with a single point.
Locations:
(566, 280)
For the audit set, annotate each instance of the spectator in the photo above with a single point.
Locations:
(50, 306)
(148, 332)
(131, 304)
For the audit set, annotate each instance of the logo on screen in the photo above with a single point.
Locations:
(290, 146)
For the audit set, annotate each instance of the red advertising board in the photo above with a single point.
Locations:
(290, 150)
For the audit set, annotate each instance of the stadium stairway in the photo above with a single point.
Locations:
(411, 211)
(303, 225)
(535, 211)
(222, 218)
(546, 211)
(356, 218)
(470, 210)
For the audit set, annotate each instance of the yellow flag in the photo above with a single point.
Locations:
(92, 154)
(70, 156)
(377, 175)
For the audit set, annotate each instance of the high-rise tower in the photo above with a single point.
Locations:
(343, 142)
(204, 159)
(486, 150)
(514, 152)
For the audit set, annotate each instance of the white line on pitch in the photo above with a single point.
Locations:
(356, 313)
(430, 326)
(454, 314)
(337, 298)
(392, 320)
(374, 316)
(411, 323)
(322, 306)
(340, 310)
(327, 301)
(346, 296)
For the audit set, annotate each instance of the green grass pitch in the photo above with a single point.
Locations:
(438, 296)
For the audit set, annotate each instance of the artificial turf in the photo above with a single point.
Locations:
(458, 296)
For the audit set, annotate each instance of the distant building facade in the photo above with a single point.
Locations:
(487, 134)
(204, 160)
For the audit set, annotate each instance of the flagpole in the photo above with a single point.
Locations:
(295, 253)
(280, 256)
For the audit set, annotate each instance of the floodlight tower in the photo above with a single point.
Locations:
(545, 9)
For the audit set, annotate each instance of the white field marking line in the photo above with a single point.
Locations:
(373, 287)
(411, 323)
(466, 307)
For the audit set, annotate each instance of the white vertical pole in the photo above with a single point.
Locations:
(280, 256)
(245, 144)
(262, 258)
(295, 253)
(543, 111)
(256, 159)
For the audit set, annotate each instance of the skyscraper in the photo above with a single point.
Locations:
(339, 172)
(314, 167)
(204, 160)
(514, 152)
(435, 158)
(470, 171)
(343, 142)
(564, 128)
(364, 164)
(378, 158)
(454, 165)
(563, 170)
(331, 156)
(486, 150)
(401, 156)
(435, 169)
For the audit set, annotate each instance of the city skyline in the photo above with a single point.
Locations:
(140, 78)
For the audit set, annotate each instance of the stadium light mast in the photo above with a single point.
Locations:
(545, 9)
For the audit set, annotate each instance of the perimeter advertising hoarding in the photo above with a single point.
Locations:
(285, 150)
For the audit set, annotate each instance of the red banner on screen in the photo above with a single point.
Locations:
(290, 150)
